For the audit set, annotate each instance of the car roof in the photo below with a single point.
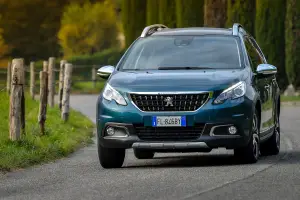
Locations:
(194, 31)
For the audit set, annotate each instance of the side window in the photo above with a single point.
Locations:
(254, 57)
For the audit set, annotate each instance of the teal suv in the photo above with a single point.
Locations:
(189, 90)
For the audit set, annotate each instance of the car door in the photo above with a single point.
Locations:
(271, 91)
(261, 84)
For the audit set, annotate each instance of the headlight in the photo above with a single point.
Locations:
(233, 92)
(110, 93)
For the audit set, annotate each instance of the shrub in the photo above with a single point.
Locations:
(133, 19)
(189, 13)
(152, 12)
(243, 12)
(270, 34)
(167, 13)
(85, 28)
(292, 38)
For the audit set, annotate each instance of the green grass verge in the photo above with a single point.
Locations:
(60, 139)
(87, 87)
(290, 98)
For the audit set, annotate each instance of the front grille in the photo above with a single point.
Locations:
(169, 133)
(169, 102)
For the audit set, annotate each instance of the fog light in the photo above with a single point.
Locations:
(110, 131)
(232, 130)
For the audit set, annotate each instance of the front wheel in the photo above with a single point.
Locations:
(111, 157)
(250, 153)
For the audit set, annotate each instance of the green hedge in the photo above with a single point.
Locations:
(152, 12)
(189, 13)
(106, 57)
(243, 12)
(270, 34)
(292, 36)
(167, 13)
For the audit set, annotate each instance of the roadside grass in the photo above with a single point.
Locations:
(87, 87)
(290, 98)
(60, 139)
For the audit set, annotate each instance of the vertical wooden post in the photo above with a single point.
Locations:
(17, 101)
(43, 100)
(94, 76)
(32, 80)
(8, 83)
(51, 81)
(66, 92)
(61, 82)
(45, 66)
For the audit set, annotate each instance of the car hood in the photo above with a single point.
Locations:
(175, 80)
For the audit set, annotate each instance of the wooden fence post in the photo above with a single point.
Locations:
(66, 92)
(45, 66)
(32, 80)
(17, 101)
(51, 81)
(94, 76)
(43, 100)
(61, 82)
(8, 83)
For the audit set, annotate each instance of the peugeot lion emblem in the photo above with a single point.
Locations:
(169, 101)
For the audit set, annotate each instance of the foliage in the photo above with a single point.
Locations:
(133, 19)
(243, 12)
(167, 13)
(30, 27)
(152, 12)
(106, 57)
(215, 13)
(270, 34)
(292, 38)
(60, 139)
(4, 49)
(88, 28)
(189, 13)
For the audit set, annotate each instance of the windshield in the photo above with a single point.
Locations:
(183, 52)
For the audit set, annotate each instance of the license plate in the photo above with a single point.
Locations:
(168, 121)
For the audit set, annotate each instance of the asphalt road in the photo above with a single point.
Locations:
(168, 176)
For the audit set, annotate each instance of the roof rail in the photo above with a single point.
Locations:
(149, 30)
(235, 28)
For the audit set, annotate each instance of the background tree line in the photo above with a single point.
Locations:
(80, 30)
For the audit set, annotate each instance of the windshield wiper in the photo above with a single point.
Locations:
(181, 68)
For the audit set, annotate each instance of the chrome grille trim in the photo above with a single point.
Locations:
(210, 94)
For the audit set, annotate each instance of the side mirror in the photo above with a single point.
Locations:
(266, 69)
(105, 71)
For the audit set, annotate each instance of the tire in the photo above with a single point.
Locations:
(111, 157)
(272, 146)
(250, 153)
(143, 154)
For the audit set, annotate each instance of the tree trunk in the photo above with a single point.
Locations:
(215, 13)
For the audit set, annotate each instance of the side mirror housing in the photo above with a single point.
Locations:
(105, 71)
(266, 69)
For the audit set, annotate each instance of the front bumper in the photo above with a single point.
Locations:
(236, 112)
